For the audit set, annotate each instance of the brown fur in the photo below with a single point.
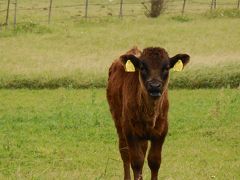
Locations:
(138, 118)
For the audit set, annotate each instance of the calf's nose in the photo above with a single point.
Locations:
(155, 85)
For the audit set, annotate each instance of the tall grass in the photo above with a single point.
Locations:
(215, 77)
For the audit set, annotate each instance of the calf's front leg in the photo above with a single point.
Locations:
(136, 156)
(154, 157)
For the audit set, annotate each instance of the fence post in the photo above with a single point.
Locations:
(183, 7)
(211, 6)
(15, 14)
(238, 4)
(121, 6)
(50, 12)
(86, 8)
(7, 15)
(215, 4)
(0, 22)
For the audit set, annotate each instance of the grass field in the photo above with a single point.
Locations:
(77, 53)
(69, 134)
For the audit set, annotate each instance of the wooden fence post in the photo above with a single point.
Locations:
(212, 2)
(121, 6)
(7, 15)
(15, 14)
(215, 4)
(0, 22)
(238, 4)
(50, 12)
(86, 8)
(183, 7)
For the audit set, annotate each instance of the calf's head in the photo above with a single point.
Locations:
(153, 66)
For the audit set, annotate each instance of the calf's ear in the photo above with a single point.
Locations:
(185, 58)
(134, 60)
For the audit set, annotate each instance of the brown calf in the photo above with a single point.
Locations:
(139, 106)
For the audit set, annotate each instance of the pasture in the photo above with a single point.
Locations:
(54, 118)
(69, 134)
(77, 52)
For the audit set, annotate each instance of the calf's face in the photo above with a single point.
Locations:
(153, 66)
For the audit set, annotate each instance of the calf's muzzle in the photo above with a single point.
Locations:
(154, 88)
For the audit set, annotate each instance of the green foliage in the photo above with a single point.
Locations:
(220, 13)
(181, 18)
(25, 28)
(30, 27)
(69, 134)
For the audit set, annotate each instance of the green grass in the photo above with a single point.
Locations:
(69, 134)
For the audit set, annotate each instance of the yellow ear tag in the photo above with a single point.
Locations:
(178, 66)
(129, 67)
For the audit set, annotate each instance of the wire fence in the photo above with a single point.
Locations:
(14, 12)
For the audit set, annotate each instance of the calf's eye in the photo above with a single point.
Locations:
(143, 70)
(165, 73)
